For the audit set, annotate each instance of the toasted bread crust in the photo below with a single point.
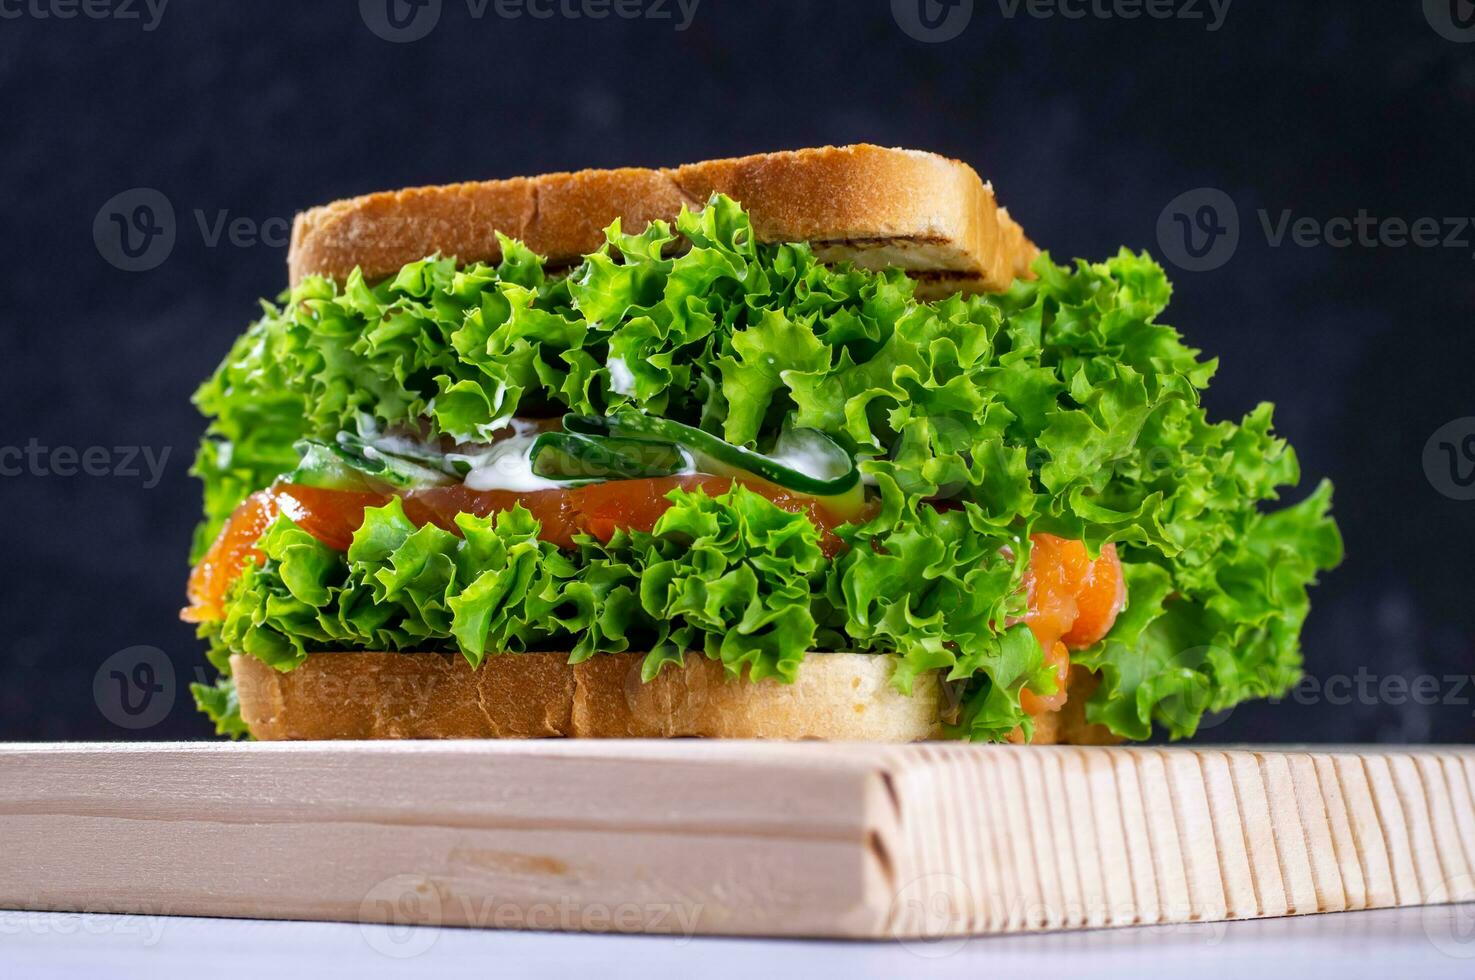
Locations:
(839, 697)
(874, 206)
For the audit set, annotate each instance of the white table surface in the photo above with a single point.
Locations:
(1424, 943)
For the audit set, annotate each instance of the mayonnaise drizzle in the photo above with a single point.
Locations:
(505, 465)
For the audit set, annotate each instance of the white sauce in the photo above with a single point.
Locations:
(395, 444)
(621, 379)
(806, 455)
(524, 427)
(505, 466)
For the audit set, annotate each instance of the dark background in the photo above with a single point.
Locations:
(1088, 129)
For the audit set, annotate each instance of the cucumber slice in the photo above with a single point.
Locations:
(584, 458)
(352, 464)
(805, 461)
(322, 465)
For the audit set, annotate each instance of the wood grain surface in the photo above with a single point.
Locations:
(738, 838)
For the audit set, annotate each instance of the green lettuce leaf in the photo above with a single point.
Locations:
(219, 703)
(734, 577)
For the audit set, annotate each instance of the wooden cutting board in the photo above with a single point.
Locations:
(733, 838)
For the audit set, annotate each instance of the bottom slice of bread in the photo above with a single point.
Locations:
(837, 696)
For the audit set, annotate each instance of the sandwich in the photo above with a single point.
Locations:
(804, 445)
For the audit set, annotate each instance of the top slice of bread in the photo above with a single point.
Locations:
(877, 207)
